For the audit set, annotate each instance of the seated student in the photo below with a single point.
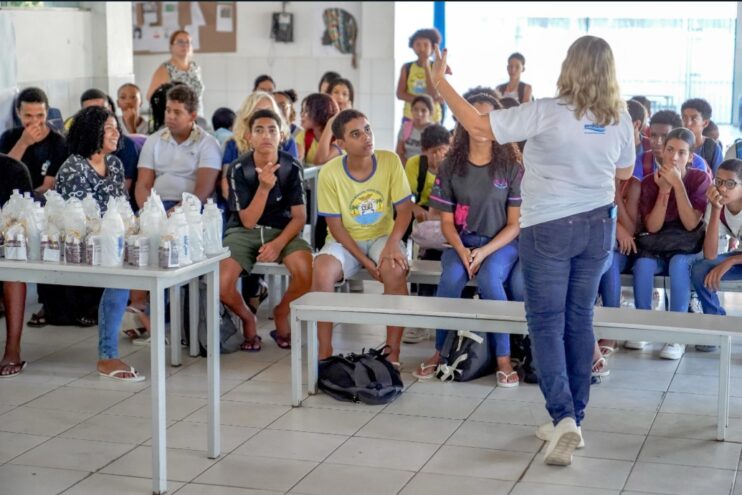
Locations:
(92, 168)
(478, 194)
(341, 91)
(222, 121)
(358, 194)
(696, 114)
(157, 103)
(265, 83)
(638, 116)
(268, 214)
(285, 100)
(326, 80)
(515, 88)
(13, 175)
(414, 78)
(317, 111)
(674, 193)
(421, 171)
(712, 131)
(39, 147)
(723, 216)
(408, 139)
(130, 102)
(647, 104)
(660, 125)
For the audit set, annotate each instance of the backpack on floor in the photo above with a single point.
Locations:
(367, 377)
(230, 335)
(465, 356)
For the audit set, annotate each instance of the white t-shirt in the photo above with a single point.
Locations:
(570, 164)
(176, 165)
(734, 230)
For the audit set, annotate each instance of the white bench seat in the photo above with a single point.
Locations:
(499, 316)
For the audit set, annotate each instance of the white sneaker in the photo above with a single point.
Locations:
(415, 335)
(546, 430)
(564, 441)
(635, 344)
(672, 351)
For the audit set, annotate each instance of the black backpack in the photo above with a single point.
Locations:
(465, 356)
(367, 377)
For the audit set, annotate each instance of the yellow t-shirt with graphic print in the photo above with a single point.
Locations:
(366, 206)
(416, 85)
(412, 170)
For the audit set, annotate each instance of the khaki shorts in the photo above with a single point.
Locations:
(244, 244)
(371, 248)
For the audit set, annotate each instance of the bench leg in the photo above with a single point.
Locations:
(175, 326)
(295, 361)
(194, 315)
(312, 364)
(725, 358)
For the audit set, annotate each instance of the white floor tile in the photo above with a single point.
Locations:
(694, 426)
(297, 445)
(616, 446)
(334, 479)
(381, 453)
(256, 472)
(636, 380)
(14, 392)
(438, 484)
(528, 488)
(37, 480)
(69, 453)
(478, 463)
(433, 406)
(584, 472)
(511, 412)
(79, 400)
(197, 386)
(242, 414)
(120, 485)
(262, 393)
(620, 398)
(703, 405)
(182, 465)
(195, 489)
(112, 428)
(690, 452)
(410, 428)
(322, 421)
(15, 444)
(679, 480)
(618, 421)
(518, 438)
(327, 402)
(178, 406)
(40, 421)
(477, 389)
(193, 436)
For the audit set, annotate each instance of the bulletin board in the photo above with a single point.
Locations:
(212, 25)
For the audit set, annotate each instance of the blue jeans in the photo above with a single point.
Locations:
(491, 277)
(110, 315)
(709, 299)
(610, 283)
(563, 261)
(678, 268)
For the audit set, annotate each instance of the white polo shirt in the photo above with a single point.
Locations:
(176, 165)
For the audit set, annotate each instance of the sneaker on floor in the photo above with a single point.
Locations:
(415, 335)
(635, 344)
(695, 304)
(707, 348)
(564, 440)
(546, 430)
(672, 351)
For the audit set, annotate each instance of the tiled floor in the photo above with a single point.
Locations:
(650, 428)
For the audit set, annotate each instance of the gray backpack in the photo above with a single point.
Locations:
(465, 356)
(230, 335)
(367, 377)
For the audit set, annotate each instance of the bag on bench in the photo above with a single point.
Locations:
(466, 356)
(367, 377)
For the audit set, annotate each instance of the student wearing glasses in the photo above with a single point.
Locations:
(180, 67)
(723, 217)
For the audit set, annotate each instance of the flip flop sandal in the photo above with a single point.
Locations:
(419, 373)
(131, 325)
(282, 342)
(249, 345)
(38, 320)
(20, 367)
(113, 375)
(607, 351)
(503, 379)
(85, 322)
(599, 367)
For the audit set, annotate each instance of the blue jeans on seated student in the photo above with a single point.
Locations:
(491, 277)
(610, 283)
(678, 269)
(110, 314)
(708, 297)
(563, 261)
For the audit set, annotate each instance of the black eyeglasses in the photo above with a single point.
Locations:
(728, 183)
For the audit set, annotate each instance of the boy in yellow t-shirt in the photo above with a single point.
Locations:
(357, 194)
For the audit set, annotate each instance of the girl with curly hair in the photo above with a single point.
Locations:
(477, 191)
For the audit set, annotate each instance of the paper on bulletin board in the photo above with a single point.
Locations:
(149, 11)
(195, 37)
(224, 18)
(170, 15)
(197, 17)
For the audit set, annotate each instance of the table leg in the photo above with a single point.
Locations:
(213, 348)
(194, 308)
(175, 326)
(312, 363)
(296, 384)
(725, 358)
(157, 357)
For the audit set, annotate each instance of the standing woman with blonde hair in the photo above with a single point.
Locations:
(579, 143)
(180, 67)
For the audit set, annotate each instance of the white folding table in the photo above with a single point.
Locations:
(156, 281)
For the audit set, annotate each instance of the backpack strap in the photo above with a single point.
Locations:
(723, 219)
(521, 91)
(407, 68)
(648, 164)
(407, 128)
(709, 147)
(422, 174)
(501, 89)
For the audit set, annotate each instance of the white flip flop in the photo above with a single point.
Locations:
(113, 375)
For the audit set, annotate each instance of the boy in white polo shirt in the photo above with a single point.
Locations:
(358, 194)
(181, 157)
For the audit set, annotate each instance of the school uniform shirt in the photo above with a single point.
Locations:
(696, 183)
(412, 171)
(732, 228)
(287, 192)
(697, 163)
(77, 177)
(366, 206)
(570, 163)
(176, 165)
(478, 200)
(43, 158)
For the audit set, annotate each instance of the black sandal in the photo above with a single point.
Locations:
(38, 320)
(85, 322)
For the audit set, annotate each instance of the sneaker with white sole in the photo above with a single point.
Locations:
(546, 430)
(415, 335)
(635, 344)
(564, 440)
(672, 351)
